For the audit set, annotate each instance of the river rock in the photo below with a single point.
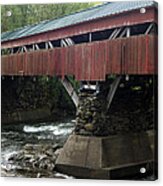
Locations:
(57, 152)
(89, 127)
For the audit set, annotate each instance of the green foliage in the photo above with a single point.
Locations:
(22, 15)
(55, 95)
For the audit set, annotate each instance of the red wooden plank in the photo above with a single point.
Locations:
(91, 61)
(36, 65)
(152, 51)
(109, 57)
(87, 51)
(6, 65)
(136, 56)
(36, 62)
(75, 63)
(51, 63)
(131, 51)
(123, 59)
(114, 56)
(48, 63)
(25, 64)
(106, 57)
(84, 64)
(18, 63)
(143, 48)
(9, 65)
(92, 77)
(14, 64)
(102, 61)
(66, 60)
(126, 56)
(32, 62)
(55, 57)
(40, 63)
(118, 56)
(151, 54)
(71, 61)
(80, 61)
(3, 65)
(140, 55)
(63, 58)
(146, 54)
(22, 64)
(28, 64)
(96, 60)
(44, 62)
(155, 61)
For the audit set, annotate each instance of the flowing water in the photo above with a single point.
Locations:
(30, 150)
(21, 142)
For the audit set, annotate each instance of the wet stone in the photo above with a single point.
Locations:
(36, 158)
(89, 127)
(89, 115)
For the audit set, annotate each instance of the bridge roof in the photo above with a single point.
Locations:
(106, 9)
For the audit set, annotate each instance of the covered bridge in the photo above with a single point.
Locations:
(113, 38)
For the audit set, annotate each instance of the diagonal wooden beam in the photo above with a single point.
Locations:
(70, 90)
(113, 88)
(149, 28)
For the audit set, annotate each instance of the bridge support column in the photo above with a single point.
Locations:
(90, 116)
(91, 152)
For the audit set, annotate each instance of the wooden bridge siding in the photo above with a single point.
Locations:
(90, 61)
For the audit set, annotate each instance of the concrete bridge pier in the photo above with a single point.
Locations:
(91, 152)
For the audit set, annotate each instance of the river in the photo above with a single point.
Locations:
(27, 149)
(30, 150)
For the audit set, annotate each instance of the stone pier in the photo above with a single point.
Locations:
(90, 116)
(94, 151)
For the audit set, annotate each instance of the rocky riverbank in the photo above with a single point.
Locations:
(35, 160)
(31, 150)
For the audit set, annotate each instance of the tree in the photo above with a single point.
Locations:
(22, 15)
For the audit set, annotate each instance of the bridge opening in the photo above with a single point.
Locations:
(140, 29)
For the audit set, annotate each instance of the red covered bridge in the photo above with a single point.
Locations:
(117, 39)
(113, 38)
